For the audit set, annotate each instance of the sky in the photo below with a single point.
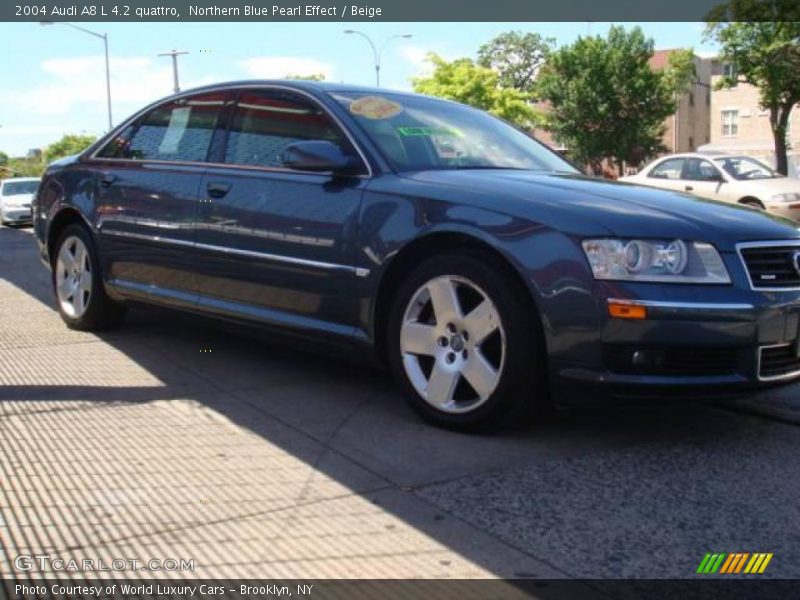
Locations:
(52, 78)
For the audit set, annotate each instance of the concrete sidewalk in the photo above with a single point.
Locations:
(172, 438)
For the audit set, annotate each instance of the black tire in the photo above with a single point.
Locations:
(521, 390)
(101, 312)
(753, 203)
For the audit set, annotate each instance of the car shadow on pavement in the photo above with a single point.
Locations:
(345, 424)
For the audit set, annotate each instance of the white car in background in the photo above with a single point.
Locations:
(726, 177)
(15, 199)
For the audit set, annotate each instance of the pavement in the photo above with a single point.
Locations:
(174, 437)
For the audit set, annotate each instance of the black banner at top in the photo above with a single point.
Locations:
(384, 10)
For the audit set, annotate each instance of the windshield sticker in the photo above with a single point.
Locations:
(429, 132)
(375, 107)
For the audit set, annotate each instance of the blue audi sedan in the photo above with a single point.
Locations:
(482, 268)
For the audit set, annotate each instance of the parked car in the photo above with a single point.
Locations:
(737, 179)
(15, 199)
(485, 270)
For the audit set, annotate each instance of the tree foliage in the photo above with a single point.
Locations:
(68, 145)
(765, 54)
(22, 167)
(606, 101)
(517, 57)
(465, 81)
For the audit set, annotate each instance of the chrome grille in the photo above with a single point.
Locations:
(773, 265)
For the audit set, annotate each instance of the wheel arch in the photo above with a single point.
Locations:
(751, 199)
(421, 248)
(67, 215)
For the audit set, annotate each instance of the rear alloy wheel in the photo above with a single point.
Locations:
(82, 300)
(464, 344)
(73, 277)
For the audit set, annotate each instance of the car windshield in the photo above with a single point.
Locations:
(742, 167)
(416, 133)
(13, 188)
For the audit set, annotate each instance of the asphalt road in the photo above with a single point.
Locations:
(173, 437)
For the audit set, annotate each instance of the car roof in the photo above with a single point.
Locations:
(301, 84)
(20, 179)
(695, 155)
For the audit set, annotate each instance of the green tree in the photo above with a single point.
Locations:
(606, 101)
(22, 167)
(68, 145)
(464, 81)
(765, 54)
(517, 57)
(3, 159)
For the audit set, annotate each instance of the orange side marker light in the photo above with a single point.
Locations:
(623, 310)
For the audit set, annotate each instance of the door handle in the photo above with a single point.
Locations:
(218, 190)
(688, 188)
(106, 179)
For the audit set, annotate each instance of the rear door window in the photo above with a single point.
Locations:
(669, 169)
(180, 130)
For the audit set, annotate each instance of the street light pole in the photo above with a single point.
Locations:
(104, 37)
(377, 53)
(174, 54)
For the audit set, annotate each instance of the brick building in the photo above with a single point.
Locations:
(740, 126)
(689, 126)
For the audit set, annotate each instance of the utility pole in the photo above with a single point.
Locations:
(174, 54)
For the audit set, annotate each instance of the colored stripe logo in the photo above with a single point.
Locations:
(735, 562)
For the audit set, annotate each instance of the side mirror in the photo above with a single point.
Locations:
(318, 156)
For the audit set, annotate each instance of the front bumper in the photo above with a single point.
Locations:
(684, 349)
(790, 210)
(17, 215)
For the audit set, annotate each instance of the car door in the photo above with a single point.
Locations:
(701, 178)
(149, 178)
(273, 244)
(667, 174)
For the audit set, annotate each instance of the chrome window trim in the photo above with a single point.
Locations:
(773, 377)
(358, 271)
(237, 87)
(768, 244)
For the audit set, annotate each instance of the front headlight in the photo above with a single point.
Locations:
(788, 197)
(664, 261)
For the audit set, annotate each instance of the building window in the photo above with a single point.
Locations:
(729, 70)
(691, 99)
(730, 123)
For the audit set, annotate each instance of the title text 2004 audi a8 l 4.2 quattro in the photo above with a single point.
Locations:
(478, 264)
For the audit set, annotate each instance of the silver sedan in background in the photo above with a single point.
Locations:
(726, 177)
(15, 199)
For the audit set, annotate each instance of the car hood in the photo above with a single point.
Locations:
(623, 209)
(767, 187)
(18, 198)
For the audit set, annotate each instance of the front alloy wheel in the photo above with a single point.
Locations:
(465, 342)
(453, 344)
